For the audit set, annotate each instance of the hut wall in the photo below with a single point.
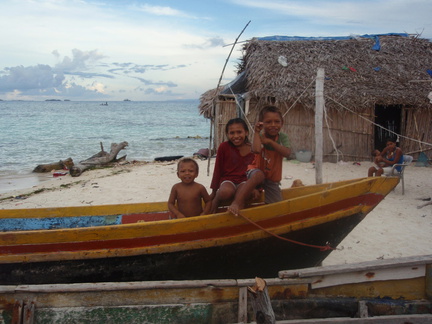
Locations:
(416, 124)
(226, 109)
(352, 135)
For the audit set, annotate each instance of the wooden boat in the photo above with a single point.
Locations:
(379, 291)
(131, 242)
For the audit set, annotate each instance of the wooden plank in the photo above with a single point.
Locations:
(360, 266)
(393, 319)
(146, 285)
(242, 306)
(29, 313)
(396, 273)
(319, 108)
(408, 289)
(115, 286)
(17, 312)
(429, 281)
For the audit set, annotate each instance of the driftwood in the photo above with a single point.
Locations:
(60, 165)
(260, 302)
(100, 159)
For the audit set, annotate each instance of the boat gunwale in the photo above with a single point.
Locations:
(219, 218)
(149, 207)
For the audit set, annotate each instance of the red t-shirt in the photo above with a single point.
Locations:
(230, 165)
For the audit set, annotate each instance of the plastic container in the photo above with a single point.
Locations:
(303, 156)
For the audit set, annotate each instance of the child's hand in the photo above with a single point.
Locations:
(259, 126)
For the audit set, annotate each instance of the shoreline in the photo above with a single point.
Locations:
(395, 228)
(15, 182)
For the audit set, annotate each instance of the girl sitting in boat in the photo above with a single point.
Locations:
(232, 159)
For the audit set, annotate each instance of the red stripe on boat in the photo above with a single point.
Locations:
(225, 232)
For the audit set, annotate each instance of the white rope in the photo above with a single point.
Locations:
(301, 94)
(331, 137)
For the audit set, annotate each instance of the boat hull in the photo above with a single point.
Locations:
(113, 243)
(261, 258)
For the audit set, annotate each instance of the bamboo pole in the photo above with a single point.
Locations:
(319, 107)
(215, 118)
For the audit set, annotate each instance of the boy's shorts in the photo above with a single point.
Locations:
(272, 189)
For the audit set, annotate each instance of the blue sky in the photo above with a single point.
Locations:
(165, 50)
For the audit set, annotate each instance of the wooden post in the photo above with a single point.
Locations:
(242, 312)
(319, 107)
(260, 302)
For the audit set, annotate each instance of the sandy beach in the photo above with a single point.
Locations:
(395, 228)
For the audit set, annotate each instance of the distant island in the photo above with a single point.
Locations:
(52, 100)
(126, 100)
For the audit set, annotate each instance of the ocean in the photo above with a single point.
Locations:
(40, 132)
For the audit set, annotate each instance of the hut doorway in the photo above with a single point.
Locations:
(388, 117)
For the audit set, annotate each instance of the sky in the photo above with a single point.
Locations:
(167, 49)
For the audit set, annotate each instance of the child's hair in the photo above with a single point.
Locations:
(187, 159)
(237, 121)
(374, 152)
(267, 109)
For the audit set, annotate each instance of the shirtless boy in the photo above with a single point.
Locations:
(186, 197)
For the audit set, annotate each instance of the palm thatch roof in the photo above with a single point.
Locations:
(399, 73)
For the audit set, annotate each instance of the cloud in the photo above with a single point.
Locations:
(351, 13)
(209, 43)
(162, 11)
(45, 80)
(30, 77)
(159, 83)
(80, 60)
(90, 75)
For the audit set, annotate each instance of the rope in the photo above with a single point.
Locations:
(320, 247)
(301, 94)
(330, 135)
(370, 121)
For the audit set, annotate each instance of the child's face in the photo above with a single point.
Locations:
(237, 134)
(376, 153)
(272, 123)
(187, 172)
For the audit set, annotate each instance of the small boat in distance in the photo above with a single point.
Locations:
(104, 103)
(130, 242)
(126, 100)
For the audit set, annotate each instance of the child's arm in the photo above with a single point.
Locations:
(282, 150)
(171, 203)
(208, 201)
(256, 141)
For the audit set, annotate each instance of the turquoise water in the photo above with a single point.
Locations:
(35, 132)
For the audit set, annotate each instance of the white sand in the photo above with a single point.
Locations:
(395, 228)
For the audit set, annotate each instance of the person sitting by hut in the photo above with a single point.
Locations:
(389, 156)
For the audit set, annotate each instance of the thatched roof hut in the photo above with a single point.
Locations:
(375, 86)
